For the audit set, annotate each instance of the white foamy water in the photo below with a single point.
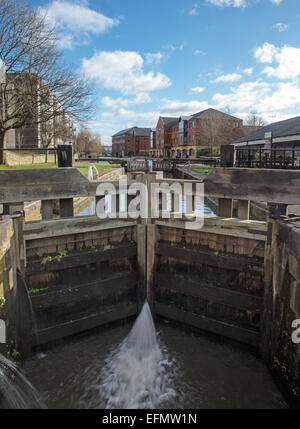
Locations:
(16, 392)
(140, 373)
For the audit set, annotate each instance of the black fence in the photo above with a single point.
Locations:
(268, 158)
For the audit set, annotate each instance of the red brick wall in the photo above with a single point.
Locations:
(214, 130)
(159, 137)
(143, 145)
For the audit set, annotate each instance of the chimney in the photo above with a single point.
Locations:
(268, 140)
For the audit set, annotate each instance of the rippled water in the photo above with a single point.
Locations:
(206, 373)
(208, 208)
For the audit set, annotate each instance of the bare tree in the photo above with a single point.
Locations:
(55, 131)
(35, 73)
(253, 119)
(88, 142)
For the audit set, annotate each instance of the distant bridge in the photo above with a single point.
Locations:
(154, 164)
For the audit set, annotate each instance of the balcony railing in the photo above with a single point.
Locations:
(268, 158)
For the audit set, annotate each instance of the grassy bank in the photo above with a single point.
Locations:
(207, 170)
(83, 168)
(27, 166)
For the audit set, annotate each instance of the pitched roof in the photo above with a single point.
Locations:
(120, 133)
(134, 130)
(285, 128)
(142, 131)
(169, 121)
(197, 115)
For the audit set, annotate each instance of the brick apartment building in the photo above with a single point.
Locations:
(36, 133)
(183, 137)
(133, 141)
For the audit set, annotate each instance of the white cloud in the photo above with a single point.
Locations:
(154, 58)
(197, 89)
(232, 77)
(114, 103)
(280, 26)
(233, 3)
(247, 71)
(266, 53)
(78, 17)
(199, 52)
(285, 95)
(137, 117)
(65, 41)
(174, 47)
(194, 10)
(276, 1)
(112, 122)
(243, 97)
(123, 71)
(273, 101)
(177, 108)
(287, 59)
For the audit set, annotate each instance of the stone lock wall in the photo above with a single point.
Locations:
(282, 307)
(8, 281)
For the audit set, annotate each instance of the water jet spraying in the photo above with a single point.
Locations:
(139, 374)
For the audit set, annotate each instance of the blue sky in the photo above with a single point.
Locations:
(171, 57)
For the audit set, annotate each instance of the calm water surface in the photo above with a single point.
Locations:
(208, 374)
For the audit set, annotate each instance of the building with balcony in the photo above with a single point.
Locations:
(187, 136)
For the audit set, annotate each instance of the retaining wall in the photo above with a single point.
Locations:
(282, 307)
(20, 157)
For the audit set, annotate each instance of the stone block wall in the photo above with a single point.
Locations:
(8, 279)
(17, 157)
(282, 308)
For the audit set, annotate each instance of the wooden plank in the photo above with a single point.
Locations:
(120, 283)
(47, 209)
(225, 207)
(56, 332)
(243, 209)
(219, 295)
(229, 262)
(222, 228)
(46, 184)
(81, 258)
(255, 184)
(66, 207)
(223, 329)
(141, 240)
(60, 227)
(230, 223)
(151, 242)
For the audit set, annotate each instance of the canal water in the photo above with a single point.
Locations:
(209, 207)
(199, 373)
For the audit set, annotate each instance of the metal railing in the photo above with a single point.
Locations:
(268, 158)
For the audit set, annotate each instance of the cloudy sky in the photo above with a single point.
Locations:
(168, 57)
